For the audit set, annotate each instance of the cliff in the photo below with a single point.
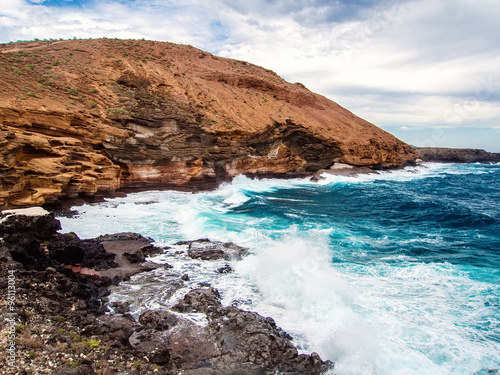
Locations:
(456, 155)
(80, 117)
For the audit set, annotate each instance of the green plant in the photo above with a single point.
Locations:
(137, 365)
(32, 355)
(94, 91)
(116, 112)
(16, 71)
(20, 328)
(93, 343)
(76, 338)
(73, 91)
(32, 94)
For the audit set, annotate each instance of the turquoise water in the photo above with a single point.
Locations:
(394, 273)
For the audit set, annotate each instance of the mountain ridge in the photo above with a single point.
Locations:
(81, 117)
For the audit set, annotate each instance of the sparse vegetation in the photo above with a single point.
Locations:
(32, 94)
(117, 112)
(20, 328)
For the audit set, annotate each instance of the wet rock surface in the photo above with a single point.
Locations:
(211, 250)
(62, 328)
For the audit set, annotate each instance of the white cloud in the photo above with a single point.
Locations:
(395, 63)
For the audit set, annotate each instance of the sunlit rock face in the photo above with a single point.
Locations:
(82, 117)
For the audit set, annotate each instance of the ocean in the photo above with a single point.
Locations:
(389, 273)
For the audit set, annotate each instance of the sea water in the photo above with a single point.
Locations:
(389, 273)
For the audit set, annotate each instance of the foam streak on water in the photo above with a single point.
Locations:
(391, 273)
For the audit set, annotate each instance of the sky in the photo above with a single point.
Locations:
(427, 71)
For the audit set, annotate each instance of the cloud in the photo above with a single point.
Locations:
(395, 63)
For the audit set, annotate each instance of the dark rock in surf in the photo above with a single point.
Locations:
(226, 269)
(213, 250)
(243, 338)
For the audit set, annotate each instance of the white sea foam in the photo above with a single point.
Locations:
(393, 315)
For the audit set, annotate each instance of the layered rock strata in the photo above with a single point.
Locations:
(83, 117)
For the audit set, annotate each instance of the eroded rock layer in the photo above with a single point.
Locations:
(81, 117)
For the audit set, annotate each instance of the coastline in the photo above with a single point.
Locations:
(231, 195)
(65, 325)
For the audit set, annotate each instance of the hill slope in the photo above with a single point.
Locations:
(79, 117)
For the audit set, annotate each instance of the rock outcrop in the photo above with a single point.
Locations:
(456, 155)
(232, 341)
(59, 317)
(84, 117)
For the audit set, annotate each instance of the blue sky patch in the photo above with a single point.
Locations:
(59, 3)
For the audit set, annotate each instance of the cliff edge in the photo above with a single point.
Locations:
(80, 117)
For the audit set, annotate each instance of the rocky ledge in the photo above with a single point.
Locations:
(62, 322)
(456, 155)
(81, 118)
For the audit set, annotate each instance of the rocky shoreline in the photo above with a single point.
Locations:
(64, 323)
(456, 155)
(106, 118)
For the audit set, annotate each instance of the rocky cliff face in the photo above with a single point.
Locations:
(456, 155)
(86, 116)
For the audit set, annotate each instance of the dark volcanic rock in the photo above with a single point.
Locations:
(212, 250)
(206, 250)
(247, 339)
(125, 236)
(14, 227)
(152, 344)
(69, 249)
(197, 336)
(456, 155)
(200, 300)
(159, 320)
(136, 256)
(119, 328)
(232, 340)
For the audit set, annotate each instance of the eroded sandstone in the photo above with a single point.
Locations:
(81, 118)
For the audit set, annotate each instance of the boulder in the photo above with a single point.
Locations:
(213, 250)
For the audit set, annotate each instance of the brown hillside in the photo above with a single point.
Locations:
(79, 117)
